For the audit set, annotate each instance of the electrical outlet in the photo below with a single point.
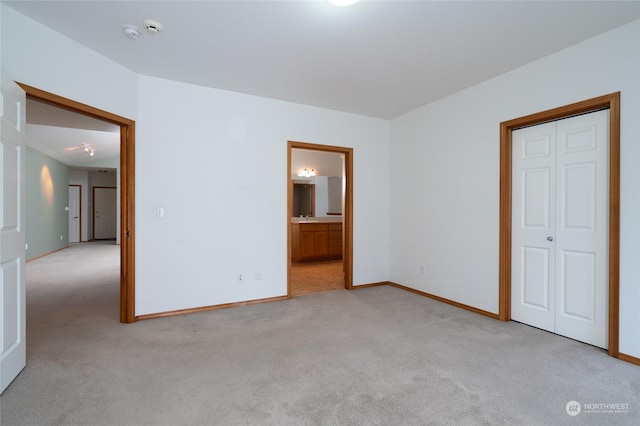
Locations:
(60, 237)
(240, 277)
(421, 269)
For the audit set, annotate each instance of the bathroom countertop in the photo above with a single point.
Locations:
(330, 219)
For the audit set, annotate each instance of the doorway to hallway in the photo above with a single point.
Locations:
(127, 188)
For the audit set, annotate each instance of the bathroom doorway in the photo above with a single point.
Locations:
(320, 253)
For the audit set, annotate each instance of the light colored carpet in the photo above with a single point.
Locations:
(377, 356)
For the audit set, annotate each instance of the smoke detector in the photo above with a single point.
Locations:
(152, 27)
(131, 32)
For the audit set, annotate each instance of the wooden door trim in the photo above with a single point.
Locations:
(612, 103)
(347, 219)
(127, 189)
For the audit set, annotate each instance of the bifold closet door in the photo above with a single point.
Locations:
(560, 205)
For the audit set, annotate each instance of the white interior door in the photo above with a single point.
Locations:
(12, 233)
(74, 214)
(533, 226)
(560, 227)
(582, 230)
(105, 213)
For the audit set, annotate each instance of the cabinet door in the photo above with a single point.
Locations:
(321, 243)
(307, 244)
(335, 239)
(335, 243)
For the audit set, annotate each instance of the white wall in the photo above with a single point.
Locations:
(231, 220)
(40, 57)
(196, 148)
(322, 195)
(444, 168)
(324, 163)
(335, 185)
(35, 55)
(103, 179)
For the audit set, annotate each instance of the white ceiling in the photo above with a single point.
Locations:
(58, 133)
(322, 163)
(376, 58)
(47, 115)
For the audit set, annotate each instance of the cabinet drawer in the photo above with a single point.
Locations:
(337, 235)
(312, 227)
(335, 227)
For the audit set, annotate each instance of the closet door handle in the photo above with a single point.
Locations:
(549, 238)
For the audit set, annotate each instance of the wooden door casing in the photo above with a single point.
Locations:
(612, 103)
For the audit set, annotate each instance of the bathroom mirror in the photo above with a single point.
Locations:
(304, 196)
(318, 193)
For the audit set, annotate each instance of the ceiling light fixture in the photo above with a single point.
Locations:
(343, 3)
(131, 32)
(88, 149)
(307, 173)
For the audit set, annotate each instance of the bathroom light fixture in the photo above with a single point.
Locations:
(88, 149)
(307, 173)
(343, 2)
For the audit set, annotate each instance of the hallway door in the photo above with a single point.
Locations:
(560, 227)
(74, 213)
(105, 213)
